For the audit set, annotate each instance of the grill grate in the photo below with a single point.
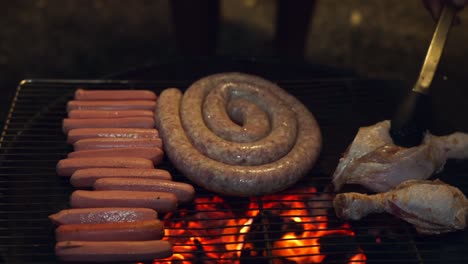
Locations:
(32, 142)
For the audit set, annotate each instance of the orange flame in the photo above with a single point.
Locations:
(213, 233)
(358, 258)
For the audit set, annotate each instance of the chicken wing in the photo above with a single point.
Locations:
(433, 207)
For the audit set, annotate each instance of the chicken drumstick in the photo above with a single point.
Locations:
(433, 207)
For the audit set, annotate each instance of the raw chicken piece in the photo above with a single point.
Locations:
(433, 207)
(372, 160)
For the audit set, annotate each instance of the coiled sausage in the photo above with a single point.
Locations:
(196, 132)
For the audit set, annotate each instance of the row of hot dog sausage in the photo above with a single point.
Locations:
(115, 152)
(109, 234)
(110, 109)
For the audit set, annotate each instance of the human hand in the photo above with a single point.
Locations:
(435, 6)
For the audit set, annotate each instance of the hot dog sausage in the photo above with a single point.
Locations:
(183, 191)
(126, 231)
(82, 133)
(111, 105)
(66, 167)
(102, 215)
(162, 202)
(124, 122)
(92, 95)
(87, 177)
(111, 143)
(153, 154)
(112, 251)
(204, 163)
(109, 114)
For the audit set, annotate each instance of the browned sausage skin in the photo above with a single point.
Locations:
(113, 251)
(201, 164)
(92, 95)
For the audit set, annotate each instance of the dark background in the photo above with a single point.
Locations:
(88, 39)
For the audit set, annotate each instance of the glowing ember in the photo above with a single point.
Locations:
(216, 232)
(358, 258)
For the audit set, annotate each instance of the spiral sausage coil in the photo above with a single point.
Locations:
(238, 134)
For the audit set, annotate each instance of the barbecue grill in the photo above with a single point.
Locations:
(294, 226)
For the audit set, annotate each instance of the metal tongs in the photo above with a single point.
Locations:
(412, 118)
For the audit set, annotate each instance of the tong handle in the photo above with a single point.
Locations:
(435, 50)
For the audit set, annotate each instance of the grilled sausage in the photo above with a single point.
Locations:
(183, 191)
(111, 105)
(87, 177)
(162, 202)
(102, 215)
(205, 154)
(66, 167)
(93, 95)
(124, 122)
(153, 154)
(82, 133)
(111, 143)
(127, 231)
(113, 251)
(109, 114)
